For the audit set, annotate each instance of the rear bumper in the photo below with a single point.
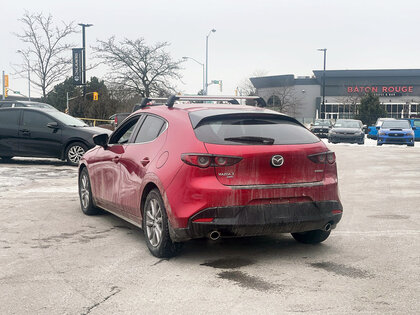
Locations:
(265, 219)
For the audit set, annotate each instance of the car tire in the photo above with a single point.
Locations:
(311, 237)
(410, 145)
(379, 144)
(85, 194)
(156, 227)
(74, 153)
(361, 142)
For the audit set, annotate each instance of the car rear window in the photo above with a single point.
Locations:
(252, 130)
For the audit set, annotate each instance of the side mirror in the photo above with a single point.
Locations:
(101, 140)
(414, 128)
(378, 127)
(52, 125)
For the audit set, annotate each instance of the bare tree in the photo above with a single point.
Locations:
(246, 87)
(138, 68)
(285, 99)
(47, 55)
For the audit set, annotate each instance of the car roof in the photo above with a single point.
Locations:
(44, 109)
(197, 111)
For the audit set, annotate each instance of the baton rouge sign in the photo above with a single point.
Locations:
(380, 89)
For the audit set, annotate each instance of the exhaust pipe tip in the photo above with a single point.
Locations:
(327, 227)
(214, 235)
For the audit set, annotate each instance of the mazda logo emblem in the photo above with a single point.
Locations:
(277, 160)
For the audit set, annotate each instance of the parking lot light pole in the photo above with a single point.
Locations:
(207, 59)
(29, 74)
(323, 82)
(84, 55)
(201, 64)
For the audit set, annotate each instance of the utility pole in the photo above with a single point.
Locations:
(3, 85)
(29, 81)
(207, 59)
(323, 83)
(84, 56)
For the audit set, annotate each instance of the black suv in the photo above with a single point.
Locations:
(321, 127)
(40, 132)
(6, 104)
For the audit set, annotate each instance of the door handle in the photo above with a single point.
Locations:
(116, 159)
(25, 131)
(145, 161)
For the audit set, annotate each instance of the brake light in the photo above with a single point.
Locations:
(206, 160)
(321, 158)
(116, 120)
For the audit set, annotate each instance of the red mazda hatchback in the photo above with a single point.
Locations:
(201, 169)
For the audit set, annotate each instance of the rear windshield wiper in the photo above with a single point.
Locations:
(246, 139)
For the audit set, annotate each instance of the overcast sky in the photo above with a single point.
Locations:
(278, 37)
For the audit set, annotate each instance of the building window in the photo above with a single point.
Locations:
(274, 100)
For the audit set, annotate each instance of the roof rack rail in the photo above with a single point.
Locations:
(146, 101)
(232, 99)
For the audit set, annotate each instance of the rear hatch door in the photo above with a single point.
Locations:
(274, 148)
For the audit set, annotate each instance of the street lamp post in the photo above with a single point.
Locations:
(29, 74)
(201, 64)
(323, 82)
(84, 55)
(207, 59)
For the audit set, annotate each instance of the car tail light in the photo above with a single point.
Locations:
(323, 157)
(206, 160)
(116, 120)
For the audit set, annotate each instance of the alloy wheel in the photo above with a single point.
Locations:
(84, 191)
(154, 225)
(75, 153)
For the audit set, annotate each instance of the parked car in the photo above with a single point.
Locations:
(6, 104)
(373, 131)
(196, 170)
(117, 119)
(39, 132)
(347, 130)
(321, 127)
(396, 132)
(415, 125)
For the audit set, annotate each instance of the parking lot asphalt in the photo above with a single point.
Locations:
(55, 260)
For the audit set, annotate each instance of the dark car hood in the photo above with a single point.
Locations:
(95, 130)
(341, 129)
(320, 127)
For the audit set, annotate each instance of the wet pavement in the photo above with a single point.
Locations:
(55, 260)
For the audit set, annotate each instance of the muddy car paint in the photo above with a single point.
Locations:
(122, 175)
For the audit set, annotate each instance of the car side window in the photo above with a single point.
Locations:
(9, 117)
(416, 123)
(123, 134)
(151, 128)
(35, 120)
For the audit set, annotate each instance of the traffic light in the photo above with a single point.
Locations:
(6, 92)
(95, 96)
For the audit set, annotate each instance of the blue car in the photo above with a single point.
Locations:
(373, 130)
(415, 124)
(396, 132)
